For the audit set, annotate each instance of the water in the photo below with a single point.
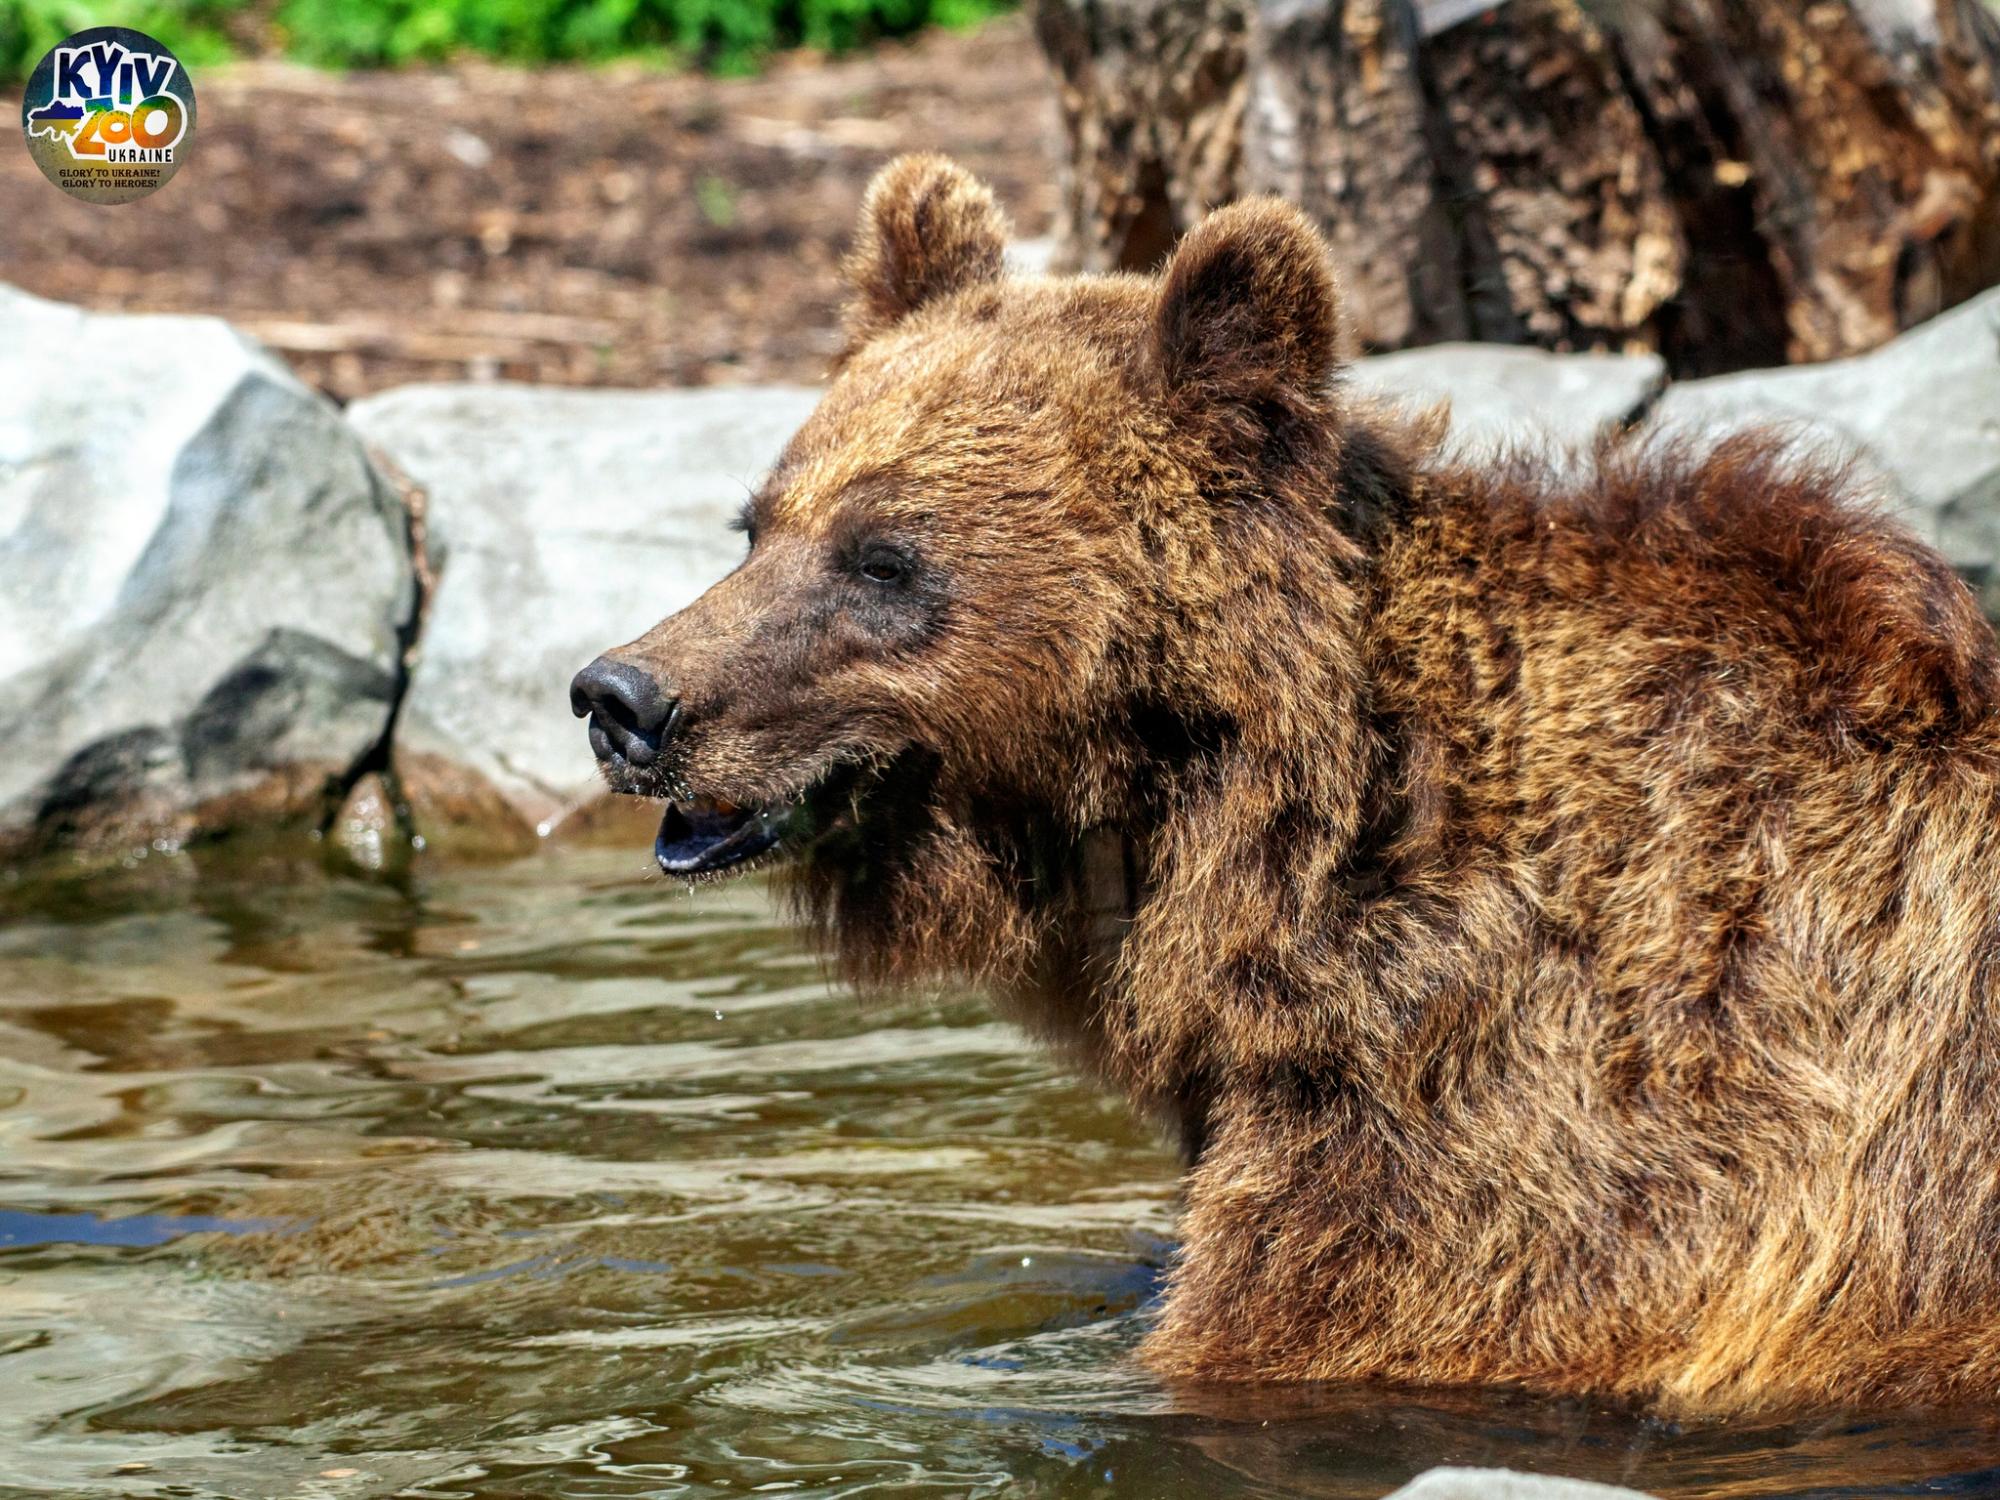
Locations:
(548, 1180)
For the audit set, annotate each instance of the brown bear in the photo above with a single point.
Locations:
(1557, 903)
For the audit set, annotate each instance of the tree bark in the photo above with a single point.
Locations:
(1729, 182)
(1151, 96)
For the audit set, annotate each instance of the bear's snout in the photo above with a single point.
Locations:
(632, 716)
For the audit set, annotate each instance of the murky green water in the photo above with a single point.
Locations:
(549, 1180)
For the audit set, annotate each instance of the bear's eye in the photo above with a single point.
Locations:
(883, 564)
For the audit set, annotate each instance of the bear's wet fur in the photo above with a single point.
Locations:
(1555, 899)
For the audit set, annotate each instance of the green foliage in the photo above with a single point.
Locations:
(28, 28)
(727, 35)
(717, 201)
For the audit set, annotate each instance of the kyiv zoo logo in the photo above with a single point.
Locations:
(108, 114)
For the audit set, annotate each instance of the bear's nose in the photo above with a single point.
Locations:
(630, 715)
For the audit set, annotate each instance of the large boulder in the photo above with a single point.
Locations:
(208, 587)
(1923, 412)
(559, 523)
(1502, 396)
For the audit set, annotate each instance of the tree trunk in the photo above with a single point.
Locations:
(1151, 93)
(1729, 182)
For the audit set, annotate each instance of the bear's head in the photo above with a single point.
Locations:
(1048, 552)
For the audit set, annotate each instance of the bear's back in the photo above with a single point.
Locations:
(1753, 558)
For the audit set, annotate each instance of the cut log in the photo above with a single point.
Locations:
(1151, 96)
(1726, 182)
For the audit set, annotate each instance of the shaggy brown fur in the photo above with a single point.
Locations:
(1559, 905)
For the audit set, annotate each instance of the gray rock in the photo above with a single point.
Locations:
(1503, 396)
(1923, 411)
(1031, 257)
(1505, 1484)
(207, 583)
(560, 523)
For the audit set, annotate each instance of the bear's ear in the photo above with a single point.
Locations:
(1249, 311)
(928, 227)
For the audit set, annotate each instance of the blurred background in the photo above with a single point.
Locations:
(648, 192)
(601, 193)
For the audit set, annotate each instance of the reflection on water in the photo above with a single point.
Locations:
(550, 1181)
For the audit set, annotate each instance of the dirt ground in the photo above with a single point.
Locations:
(575, 226)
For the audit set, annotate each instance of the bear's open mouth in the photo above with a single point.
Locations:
(701, 836)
